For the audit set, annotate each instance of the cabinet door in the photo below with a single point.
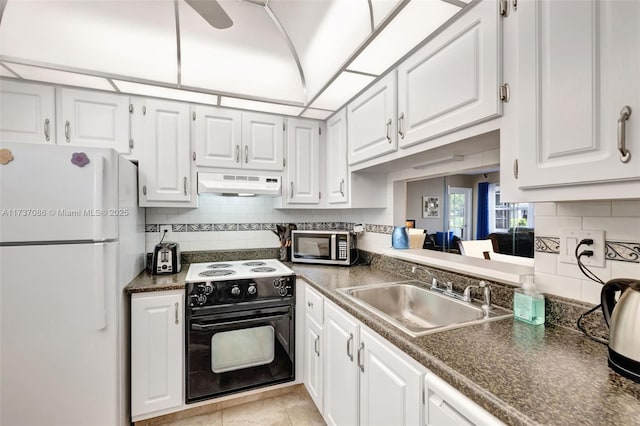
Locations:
(165, 170)
(157, 345)
(217, 133)
(337, 175)
(340, 369)
(313, 351)
(390, 387)
(93, 119)
(27, 113)
(262, 141)
(444, 405)
(578, 67)
(303, 152)
(453, 81)
(372, 121)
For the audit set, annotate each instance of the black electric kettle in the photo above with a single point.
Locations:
(623, 319)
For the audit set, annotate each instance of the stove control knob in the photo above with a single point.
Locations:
(282, 291)
(198, 299)
(208, 288)
(235, 290)
(252, 289)
(278, 283)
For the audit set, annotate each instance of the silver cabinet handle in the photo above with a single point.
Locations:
(388, 130)
(625, 154)
(400, 123)
(342, 187)
(360, 360)
(291, 190)
(316, 345)
(246, 154)
(46, 130)
(176, 311)
(185, 185)
(237, 153)
(66, 131)
(350, 347)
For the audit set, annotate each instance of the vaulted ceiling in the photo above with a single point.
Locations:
(295, 57)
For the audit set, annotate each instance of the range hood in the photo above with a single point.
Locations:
(235, 184)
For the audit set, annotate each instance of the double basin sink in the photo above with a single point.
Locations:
(417, 310)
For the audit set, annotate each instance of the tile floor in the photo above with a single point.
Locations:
(291, 409)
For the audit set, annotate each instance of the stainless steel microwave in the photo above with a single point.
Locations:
(325, 247)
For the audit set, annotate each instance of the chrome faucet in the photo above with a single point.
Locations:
(435, 284)
(466, 296)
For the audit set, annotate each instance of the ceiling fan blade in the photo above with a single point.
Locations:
(212, 12)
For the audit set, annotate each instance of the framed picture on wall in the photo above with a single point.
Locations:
(430, 207)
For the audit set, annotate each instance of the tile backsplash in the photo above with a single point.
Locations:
(223, 223)
(621, 222)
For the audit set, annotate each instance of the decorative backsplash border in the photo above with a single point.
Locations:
(221, 227)
(614, 250)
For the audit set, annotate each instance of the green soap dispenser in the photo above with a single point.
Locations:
(528, 304)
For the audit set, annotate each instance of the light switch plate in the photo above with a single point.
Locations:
(570, 238)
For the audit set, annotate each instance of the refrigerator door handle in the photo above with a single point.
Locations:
(98, 198)
(100, 302)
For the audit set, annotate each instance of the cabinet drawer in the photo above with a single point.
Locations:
(313, 305)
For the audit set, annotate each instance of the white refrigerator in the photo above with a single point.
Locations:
(71, 238)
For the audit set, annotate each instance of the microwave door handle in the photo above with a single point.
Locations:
(333, 247)
(206, 327)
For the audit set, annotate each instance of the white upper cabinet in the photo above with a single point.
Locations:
(303, 154)
(337, 171)
(372, 121)
(217, 133)
(27, 112)
(578, 67)
(262, 141)
(97, 119)
(453, 81)
(165, 177)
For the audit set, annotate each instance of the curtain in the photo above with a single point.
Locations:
(483, 211)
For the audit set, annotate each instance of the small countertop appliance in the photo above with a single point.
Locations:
(623, 319)
(165, 259)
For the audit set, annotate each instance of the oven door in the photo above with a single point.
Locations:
(236, 351)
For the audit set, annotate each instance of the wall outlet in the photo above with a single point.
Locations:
(166, 228)
(357, 227)
(570, 238)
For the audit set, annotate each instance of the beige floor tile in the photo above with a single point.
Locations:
(301, 409)
(268, 412)
(211, 419)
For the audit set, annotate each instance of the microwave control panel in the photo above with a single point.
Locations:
(342, 247)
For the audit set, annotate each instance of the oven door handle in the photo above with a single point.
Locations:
(205, 327)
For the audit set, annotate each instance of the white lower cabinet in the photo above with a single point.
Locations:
(390, 383)
(340, 368)
(157, 348)
(356, 377)
(366, 381)
(446, 406)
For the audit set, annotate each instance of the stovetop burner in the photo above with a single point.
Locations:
(219, 266)
(255, 263)
(263, 269)
(216, 273)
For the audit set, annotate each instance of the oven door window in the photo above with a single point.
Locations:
(238, 349)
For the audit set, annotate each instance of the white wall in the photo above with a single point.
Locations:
(429, 188)
(621, 222)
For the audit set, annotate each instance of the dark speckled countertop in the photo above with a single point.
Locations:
(522, 374)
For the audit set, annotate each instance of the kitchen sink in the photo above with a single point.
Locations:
(416, 310)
